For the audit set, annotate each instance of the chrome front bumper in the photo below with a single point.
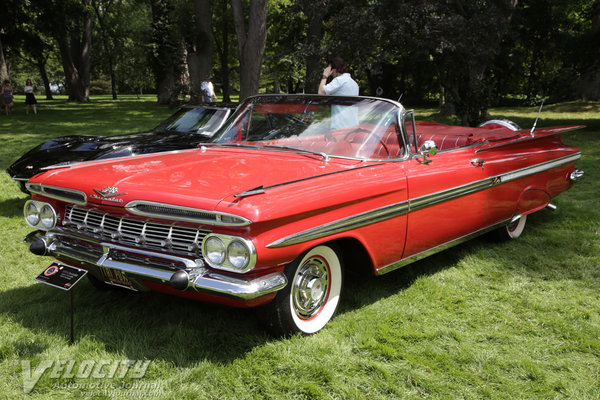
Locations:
(136, 264)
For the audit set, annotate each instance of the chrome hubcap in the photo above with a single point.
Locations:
(311, 287)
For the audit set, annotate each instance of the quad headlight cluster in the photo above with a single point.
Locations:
(231, 253)
(40, 215)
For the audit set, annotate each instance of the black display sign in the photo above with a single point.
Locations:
(61, 276)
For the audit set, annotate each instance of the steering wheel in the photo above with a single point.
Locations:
(329, 137)
(370, 134)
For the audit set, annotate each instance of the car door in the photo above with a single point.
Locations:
(447, 199)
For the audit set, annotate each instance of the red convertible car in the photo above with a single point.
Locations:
(289, 195)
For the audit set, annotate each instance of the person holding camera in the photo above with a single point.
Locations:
(342, 83)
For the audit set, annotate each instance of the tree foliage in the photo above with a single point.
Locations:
(466, 55)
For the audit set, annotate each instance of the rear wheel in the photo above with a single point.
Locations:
(311, 296)
(512, 230)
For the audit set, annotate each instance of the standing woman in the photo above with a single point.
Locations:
(6, 97)
(29, 97)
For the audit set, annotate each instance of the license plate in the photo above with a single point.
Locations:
(116, 278)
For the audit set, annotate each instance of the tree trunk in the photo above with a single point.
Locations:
(100, 13)
(41, 65)
(167, 52)
(4, 73)
(315, 12)
(223, 52)
(200, 54)
(589, 85)
(75, 56)
(251, 44)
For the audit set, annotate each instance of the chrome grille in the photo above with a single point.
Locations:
(171, 238)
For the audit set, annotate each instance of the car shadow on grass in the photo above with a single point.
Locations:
(12, 207)
(139, 325)
(181, 331)
(172, 329)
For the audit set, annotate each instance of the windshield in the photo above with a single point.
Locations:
(362, 128)
(204, 121)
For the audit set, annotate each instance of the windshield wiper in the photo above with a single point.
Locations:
(325, 156)
(230, 144)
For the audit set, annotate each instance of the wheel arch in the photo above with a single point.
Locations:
(355, 257)
(532, 199)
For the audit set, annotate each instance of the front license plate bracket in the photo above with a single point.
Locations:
(116, 277)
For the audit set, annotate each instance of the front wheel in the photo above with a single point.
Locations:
(311, 296)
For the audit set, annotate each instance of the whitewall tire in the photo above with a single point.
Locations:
(514, 229)
(311, 297)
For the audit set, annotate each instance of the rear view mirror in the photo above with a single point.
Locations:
(428, 148)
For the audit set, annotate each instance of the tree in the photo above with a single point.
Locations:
(199, 45)
(72, 27)
(251, 43)
(167, 52)
(104, 10)
(4, 75)
(589, 55)
(222, 46)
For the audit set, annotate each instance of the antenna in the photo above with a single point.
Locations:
(400, 98)
(536, 120)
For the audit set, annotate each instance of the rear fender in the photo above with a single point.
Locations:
(532, 200)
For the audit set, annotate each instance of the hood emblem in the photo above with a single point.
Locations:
(108, 193)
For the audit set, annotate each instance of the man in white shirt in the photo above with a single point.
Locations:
(341, 85)
(208, 91)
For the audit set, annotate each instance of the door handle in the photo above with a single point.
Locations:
(477, 162)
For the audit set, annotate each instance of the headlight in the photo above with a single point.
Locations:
(214, 250)
(238, 254)
(32, 213)
(48, 216)
(229, 253)
(40, 215)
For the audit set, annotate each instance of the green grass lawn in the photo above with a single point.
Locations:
(510, 320)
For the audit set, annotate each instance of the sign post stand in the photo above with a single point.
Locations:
(63, 277)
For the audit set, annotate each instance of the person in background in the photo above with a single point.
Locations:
(29, 97)
(6, 97)
(342, 83)
(208, 91)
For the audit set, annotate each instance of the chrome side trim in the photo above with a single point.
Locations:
(404, 207)
(437, 249)
(54, 192)
(529, 138)
(100, 254)
(344, 224)
(520, 173)
(188, 214)
(450, 194)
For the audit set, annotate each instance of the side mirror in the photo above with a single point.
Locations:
(428, 148)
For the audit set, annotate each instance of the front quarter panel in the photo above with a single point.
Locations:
(368, 205)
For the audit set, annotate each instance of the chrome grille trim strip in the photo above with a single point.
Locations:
(132, 232)
(404, 207)
(54, 192)
(188, 214)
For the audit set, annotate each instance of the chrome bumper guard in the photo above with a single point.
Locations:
(137, 264)
(576, 176)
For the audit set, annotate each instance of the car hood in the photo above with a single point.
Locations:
(71, 149)
(199, 178)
